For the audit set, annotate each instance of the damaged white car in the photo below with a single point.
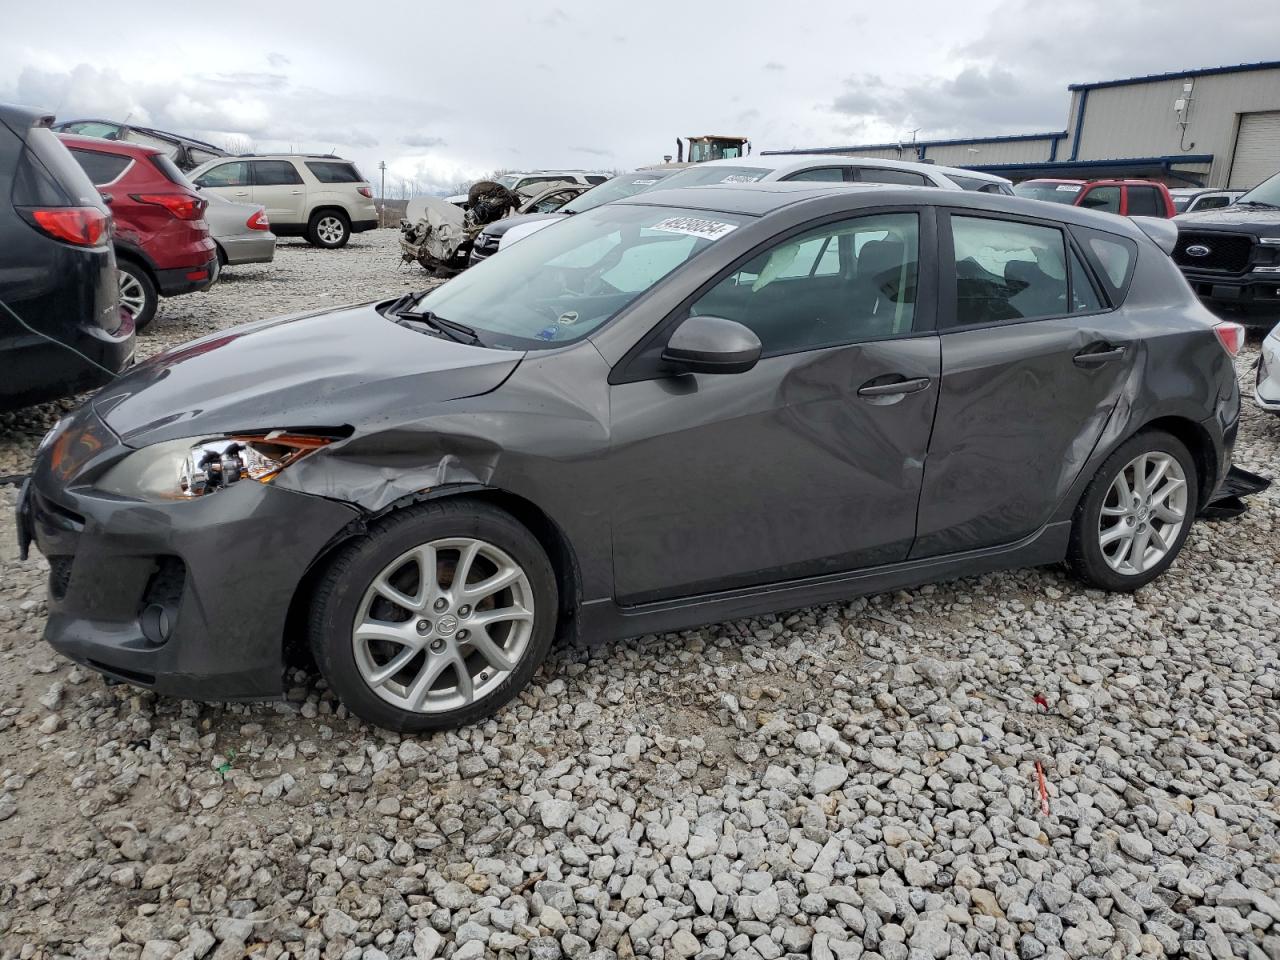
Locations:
(439, 234)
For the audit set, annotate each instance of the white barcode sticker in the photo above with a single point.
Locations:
(695, 227)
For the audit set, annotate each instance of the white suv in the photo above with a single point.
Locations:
(322, 198)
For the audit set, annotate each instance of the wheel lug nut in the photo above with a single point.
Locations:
(462, 634)
(437, 646)
(441, 603)
(464, 611)
(424, 626)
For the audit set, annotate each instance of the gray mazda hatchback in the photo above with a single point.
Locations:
(687, 406)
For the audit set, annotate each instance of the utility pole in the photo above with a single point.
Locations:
(382, 195)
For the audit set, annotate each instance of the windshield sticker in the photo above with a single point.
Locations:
(547, 333)
(695, 227)
(643, 183)
(1069, 188)
(740, 178)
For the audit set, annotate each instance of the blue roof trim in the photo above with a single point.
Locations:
(1087, 164)
(907, 145)
(1203, 72)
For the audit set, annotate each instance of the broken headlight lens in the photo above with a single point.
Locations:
(186, 469)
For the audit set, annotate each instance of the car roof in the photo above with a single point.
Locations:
(21, 118)
(785, 163)
(761, 198)
(124, 148)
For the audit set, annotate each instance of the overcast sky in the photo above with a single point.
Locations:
(448, 91)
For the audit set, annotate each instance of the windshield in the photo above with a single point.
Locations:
(559, 285)
(509, 180)
(700, 176)
(1268, 192)
(1053, 192)
(627, 185)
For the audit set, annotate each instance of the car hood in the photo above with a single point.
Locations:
(346, 367)
(1262, 221)
(506, 223)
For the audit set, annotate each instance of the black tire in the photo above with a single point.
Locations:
(339, 593)
(321, 224)
(222, 256)
(1085, 553)
(136, 278)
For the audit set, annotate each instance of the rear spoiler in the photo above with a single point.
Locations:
(1163, 232)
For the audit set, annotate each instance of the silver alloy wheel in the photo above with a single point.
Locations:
(132, 297)
(1143, 513)
(329, 229)
(442, 625)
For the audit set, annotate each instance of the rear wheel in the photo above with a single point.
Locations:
(436, 618)
(329, 229)
(138, 296)
(1135, 514)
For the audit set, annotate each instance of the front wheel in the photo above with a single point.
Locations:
(138, 296)
(329, 229)
(436, 618)
(1136, 513)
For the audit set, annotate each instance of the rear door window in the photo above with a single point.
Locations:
(1145, 202)
(233, 174)
(102, 168)
(274, 173)
(1007, 271)
(1113, 259)
(334, 171)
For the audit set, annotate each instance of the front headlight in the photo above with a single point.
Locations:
(186, 469)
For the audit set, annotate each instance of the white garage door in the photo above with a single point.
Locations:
(1257, 153)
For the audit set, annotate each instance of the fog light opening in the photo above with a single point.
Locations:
(157, 623)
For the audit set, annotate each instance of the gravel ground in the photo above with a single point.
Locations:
(844, 781)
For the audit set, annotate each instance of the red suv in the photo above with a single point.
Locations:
(1129, 198)
(161, 239)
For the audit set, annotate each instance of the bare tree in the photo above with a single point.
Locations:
(237, 143)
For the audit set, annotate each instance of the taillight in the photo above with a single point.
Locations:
(181, 205)
(1230, 335)
(83, 226)
(365, 192)
(258, 221)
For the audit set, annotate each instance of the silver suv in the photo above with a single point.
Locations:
(322, 198)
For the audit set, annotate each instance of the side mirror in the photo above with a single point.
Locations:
(712, 345)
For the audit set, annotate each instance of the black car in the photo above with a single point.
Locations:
(686, 406)
(1231, 255)
(61, 327)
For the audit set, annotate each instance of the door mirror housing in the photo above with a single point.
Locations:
(712, 345)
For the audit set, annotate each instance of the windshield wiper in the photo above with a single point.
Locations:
(404, 302)
(454, 331)
(1257, 203)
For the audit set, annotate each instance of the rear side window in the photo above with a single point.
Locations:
(274, 173)
(48, 175)
(885, 175)
(333, 171)
(596, 179)
(233, 174)
(101, 167)
(1113, 259)
(1008, 271)
(1145, 202)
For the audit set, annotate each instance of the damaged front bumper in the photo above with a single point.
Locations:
(188, 598)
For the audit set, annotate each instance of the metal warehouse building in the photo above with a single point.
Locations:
(1213, 127)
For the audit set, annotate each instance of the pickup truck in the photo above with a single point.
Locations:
(1231, 256)
(1130, 198)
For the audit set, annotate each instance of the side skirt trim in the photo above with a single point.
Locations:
(604, 620)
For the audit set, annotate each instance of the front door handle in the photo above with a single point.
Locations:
(1091, 357)
(895, 388)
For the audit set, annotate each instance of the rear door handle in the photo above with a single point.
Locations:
(895, 388)
(1092, 358)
